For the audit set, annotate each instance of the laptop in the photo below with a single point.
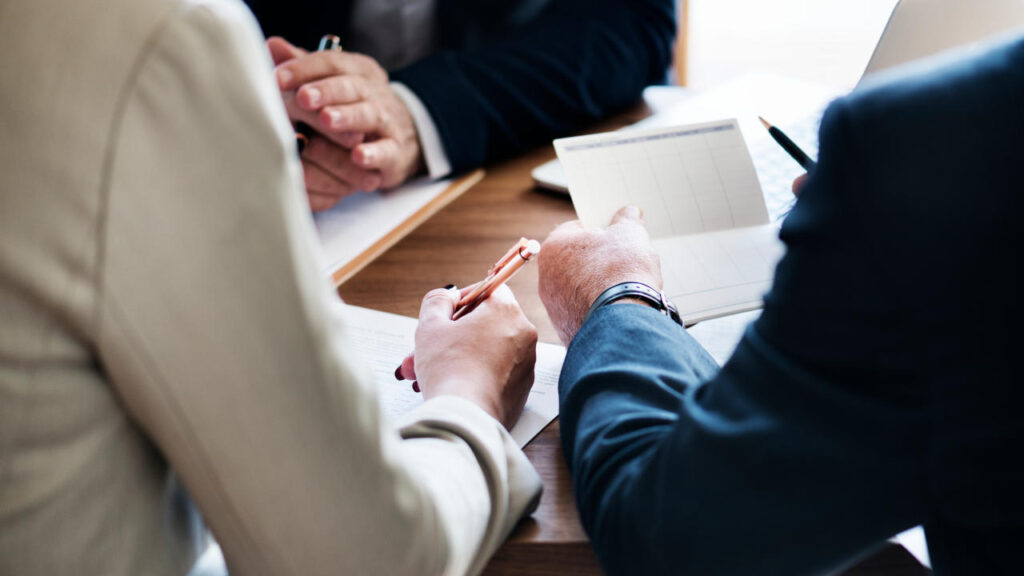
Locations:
(922, 28)
(916, 29)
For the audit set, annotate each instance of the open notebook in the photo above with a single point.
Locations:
(702, 203)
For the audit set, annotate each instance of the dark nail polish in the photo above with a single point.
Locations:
(415, 386)
(398, 373)
(449, 287)
(303, 132)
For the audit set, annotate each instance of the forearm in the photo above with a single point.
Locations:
(724, 477)
(623, 386)
(475, 530)
(575, 64)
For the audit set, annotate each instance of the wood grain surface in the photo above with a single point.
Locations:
(457, 246)
(456, 189)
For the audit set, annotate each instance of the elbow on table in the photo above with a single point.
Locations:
(630, 543)
(635, 528)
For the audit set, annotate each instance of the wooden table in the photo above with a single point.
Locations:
(457, 246)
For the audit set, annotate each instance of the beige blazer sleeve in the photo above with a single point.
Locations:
(221, 339)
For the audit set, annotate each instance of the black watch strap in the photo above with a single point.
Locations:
(656, 298)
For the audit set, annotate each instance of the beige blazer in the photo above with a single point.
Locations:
(162, 310)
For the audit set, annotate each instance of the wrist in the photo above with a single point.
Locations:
(631, 300)
(431, 153)
(636, 291)
(467, 389)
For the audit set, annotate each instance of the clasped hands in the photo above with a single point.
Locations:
(365, 136)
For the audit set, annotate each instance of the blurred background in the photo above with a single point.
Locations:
(823, 41)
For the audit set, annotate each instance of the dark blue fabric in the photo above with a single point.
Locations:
(512, 75)
(879, 390)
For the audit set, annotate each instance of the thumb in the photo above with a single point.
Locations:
(627, 213)
(798, 184)
(281, 50)
(439, 304)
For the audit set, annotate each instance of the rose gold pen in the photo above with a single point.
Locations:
(504, 269)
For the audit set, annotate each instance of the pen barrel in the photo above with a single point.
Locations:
(484, 290)
(501, 272)
(792, 149)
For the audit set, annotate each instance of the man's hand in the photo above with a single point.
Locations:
(577, 264)
(331, 174)
(486, 357)
(798, 184)
(366, 134)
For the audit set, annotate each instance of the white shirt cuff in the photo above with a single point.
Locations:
(434, 155)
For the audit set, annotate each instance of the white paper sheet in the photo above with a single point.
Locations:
(914, 541)
(702, 204)
(796, 106)
(360, 220)
(383, 340)
(721, 335)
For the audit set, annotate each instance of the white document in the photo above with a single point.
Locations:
(359, 221)
(702, 203)
(721, 335)
(794, 105)
(383, 340)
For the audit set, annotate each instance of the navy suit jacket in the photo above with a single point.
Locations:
(511, 75)
(880, 389)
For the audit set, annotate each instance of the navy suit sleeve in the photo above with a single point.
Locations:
(777, 463)
(579, 61)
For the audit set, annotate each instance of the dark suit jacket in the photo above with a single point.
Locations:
(511, 75)
(880, 389)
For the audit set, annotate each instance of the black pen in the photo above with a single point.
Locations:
(792, 149)
(303, 131)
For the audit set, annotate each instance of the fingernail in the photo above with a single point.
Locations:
(449, 287)
(398, 373)
(634, 212)
(415, 386)
(314, 96)
(334, 116)
(284, 76)
(367, 156)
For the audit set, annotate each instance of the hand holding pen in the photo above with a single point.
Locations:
(473, 297)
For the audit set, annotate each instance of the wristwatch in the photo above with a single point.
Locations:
(641, 291)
